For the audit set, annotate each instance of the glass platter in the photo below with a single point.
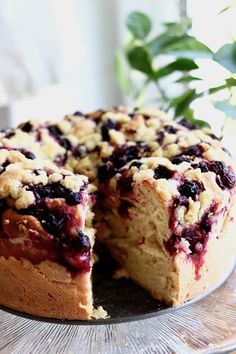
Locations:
(206, 325)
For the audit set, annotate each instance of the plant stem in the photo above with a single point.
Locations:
(164, 97)
(182, 9)
(140, 92)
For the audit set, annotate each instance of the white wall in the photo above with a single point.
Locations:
(101, 32)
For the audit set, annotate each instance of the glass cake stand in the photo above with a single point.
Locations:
(204, 326)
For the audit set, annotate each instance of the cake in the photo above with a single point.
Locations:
(46, 238)
(163, 195)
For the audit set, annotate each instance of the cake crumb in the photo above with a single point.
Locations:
(99, 313)
(121, 273)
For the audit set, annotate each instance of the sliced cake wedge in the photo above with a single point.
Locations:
(46, 239)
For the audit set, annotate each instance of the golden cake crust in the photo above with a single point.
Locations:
(46, 289)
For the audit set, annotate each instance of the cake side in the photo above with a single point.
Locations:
(46, 239)
(46, 289)
(167, 225)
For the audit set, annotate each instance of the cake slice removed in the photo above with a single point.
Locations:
(170, 226)
(46, 239)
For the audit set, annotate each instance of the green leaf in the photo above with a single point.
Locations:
(182, 102)
(179, 28)
(165, 40)
(122, 72)
(217, 88)
(139, 59)
(201, 123)
(189, 115)
(181, 46)
(181, 64)
(227, 108)
(224, 10)
(231, 82)
(187, 78)
(189, 47)
(226, 56)
(139, 24)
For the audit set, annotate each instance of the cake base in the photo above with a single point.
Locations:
(46, 289)
(124, 300)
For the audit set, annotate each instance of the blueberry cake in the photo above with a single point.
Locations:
(163, 195)
(45, 239)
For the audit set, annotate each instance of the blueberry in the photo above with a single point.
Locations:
(109, 124)
(65, 143)
(84, 239)
(135, 164)
(55, 131)
(54, 190)
(41, 190)
(176, 160)
(49, 223)
(120, 156)
(74, 243)
(52, 223)
(73, 198)
(78, 113)
(10, 133)
(160, 137)
(202, 165)
(38, 171)
(163, 172)
(60, 160)
(77, 151)
(105, 172)
(181, 200)
(213, 136)
(58, 191)
(187, 124)
(132, 114)
(194, 150)
(225, 176)
(170, 129)
(190, 189)
(126, 153)
(191, 151)
(2, 169)
(29, 155)
(27, 127)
